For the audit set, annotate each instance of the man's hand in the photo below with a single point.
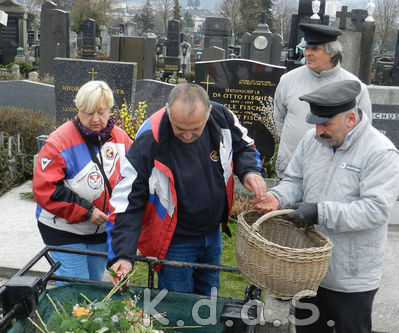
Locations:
(97, 217)
(255, 184)
(304, 216)
(120, 267)
(268, 204)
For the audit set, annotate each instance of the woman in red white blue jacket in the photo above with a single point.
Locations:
(74, 176)
(176, 188)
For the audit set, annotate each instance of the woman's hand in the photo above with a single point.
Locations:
(97, 217)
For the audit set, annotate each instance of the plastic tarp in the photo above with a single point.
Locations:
(180, 309)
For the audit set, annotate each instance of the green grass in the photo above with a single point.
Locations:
(231, 285)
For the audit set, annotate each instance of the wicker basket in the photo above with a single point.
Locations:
(275, 255)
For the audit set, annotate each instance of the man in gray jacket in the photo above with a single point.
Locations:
(345, 174)
(323, 54)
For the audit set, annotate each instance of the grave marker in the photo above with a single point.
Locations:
(386, 120)
(89, 39)
(71, 74)
(13, 31)
(54, 36)
(246, 87)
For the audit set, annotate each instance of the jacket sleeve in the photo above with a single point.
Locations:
(280, 110)
(246, 157)
(127, 205)
(378, 191)
(50, 191)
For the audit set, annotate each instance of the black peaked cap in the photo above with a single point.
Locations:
(318, 34)
(326, 102)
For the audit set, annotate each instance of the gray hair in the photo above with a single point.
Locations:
(189, 93)
(334, 48)
(355, 111)
(91, 94)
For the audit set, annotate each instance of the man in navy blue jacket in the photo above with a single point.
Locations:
(177, 187)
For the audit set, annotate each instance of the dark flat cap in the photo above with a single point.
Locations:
(326, 102)
(318, 34)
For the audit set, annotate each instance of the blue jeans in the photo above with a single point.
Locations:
(206, 249)
(78, 265)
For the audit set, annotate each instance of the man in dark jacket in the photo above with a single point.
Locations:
(176, 187)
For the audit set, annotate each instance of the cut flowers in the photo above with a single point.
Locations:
(120, 315)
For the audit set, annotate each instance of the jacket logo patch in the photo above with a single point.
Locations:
(214, 155)
(349, 167)
(44, 162)
(95, 180)
(109, 153)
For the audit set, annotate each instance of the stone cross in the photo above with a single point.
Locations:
(343, 15)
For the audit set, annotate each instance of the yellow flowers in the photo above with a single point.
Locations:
(130, 121)
(80, 311)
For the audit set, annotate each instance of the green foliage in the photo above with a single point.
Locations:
(250, 11)
(176, 10)
(95, 9)
(24, 68)
(29, 125)
(145, 21)
(188, 21)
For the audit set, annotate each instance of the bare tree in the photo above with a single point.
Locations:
(282, 11)
(165, 10)
(386, 14)
(231, 10)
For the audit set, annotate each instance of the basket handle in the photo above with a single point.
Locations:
(263, 218)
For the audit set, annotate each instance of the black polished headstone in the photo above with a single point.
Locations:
(9, 39)
(172, 59)
(145, 92)
(243, 86)
(54, 36)
(71, 74)
(89, 39)
(386, 120)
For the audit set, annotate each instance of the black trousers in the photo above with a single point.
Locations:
(346, 312)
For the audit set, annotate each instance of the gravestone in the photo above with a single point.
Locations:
(357, 42)
(386, 120)
(140, 50)
(54, 36)
(265, 46)
(71, 74)
(172, 59)
(147, 89)
(36, 96)
(105, 41)
(213, 53)
(304, 13)
(14, 34)
(245, 45)
(89, 39)
(247, 88)
(217, 33)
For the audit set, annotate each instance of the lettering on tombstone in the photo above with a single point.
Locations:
(386, 120)
(71, 74)
(247, 88)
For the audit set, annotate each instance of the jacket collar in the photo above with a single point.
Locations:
(326, 74)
